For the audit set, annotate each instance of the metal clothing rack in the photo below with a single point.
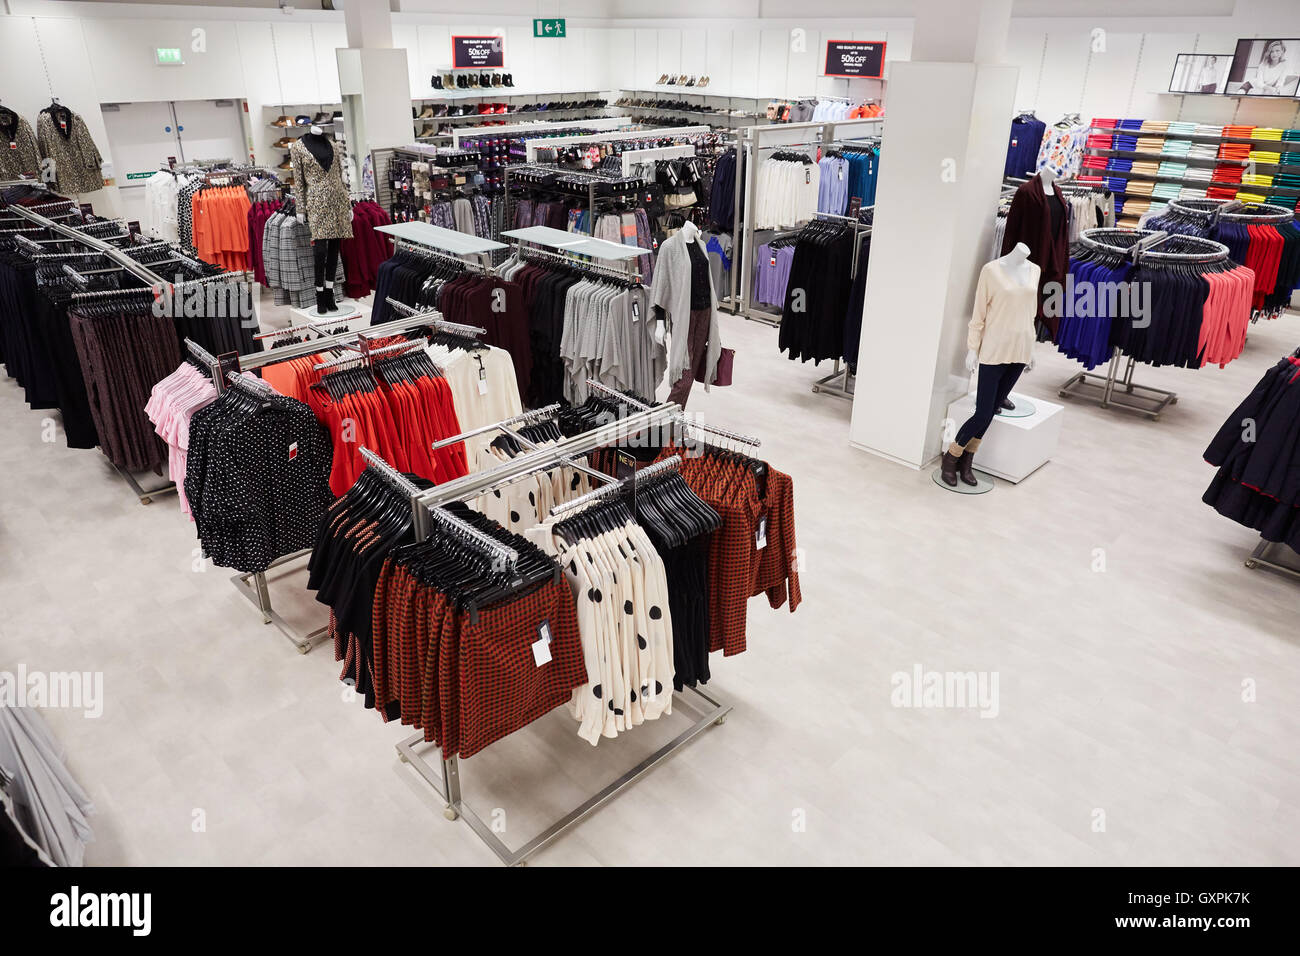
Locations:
(1257, 559)
(756, 139)
(1139, 245)
(445, 776)
(839, 383)
(253, 585)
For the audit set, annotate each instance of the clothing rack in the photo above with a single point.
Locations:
(445, 779)
(577, 249)
(253, 586)
(1258, 559)
(434, 320)
(688, 423)
(591, 497)
(1139, 245)
(839, 383)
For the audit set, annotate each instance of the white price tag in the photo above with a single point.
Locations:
(760, 535)
(482, 386)
(293, 451)
(541, 652)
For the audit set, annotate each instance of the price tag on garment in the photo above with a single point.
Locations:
(12, 144)
(293, 451)
(839, 171)
(482, 386)
(1015, 143)
(760, 535)
(807, 176)
(636, 311)
(855, 206)
(542, 646)
(772, 261)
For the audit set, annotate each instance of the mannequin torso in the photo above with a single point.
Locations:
(320, 148)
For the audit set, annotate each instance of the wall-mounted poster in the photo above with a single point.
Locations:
(477, 52)
(1265, 68)
(1200, 73)
(855, 58)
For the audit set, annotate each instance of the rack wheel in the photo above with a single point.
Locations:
(146, 501)
(303, 648)
(1252, 563)
(816, 389)
(403, 758)
(1061, 394)
(450, 813)
(721, 720)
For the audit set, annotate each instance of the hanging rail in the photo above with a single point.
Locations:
(668, 464)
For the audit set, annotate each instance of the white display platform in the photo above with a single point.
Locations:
(346, 313)
(1014, 448)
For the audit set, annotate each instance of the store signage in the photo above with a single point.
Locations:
(854, 58)
(168, 56)
(144, 175)
(477, 52)
(554, 27)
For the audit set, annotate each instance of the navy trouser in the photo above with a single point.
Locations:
(995, 384)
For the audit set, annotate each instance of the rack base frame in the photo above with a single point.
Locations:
(253, 586)
(1257, 559)
(840, 383)
(1142, 399)
(146, 495)
(446, 782)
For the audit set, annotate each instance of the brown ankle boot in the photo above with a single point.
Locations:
(965, 464)
(948, 469)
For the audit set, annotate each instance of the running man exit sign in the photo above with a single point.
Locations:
(168, 56)
(553, 27)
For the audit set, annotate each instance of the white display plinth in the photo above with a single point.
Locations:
(346, 313)
(1013, 448)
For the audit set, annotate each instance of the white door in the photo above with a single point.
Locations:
(141, 137)
(211, 129)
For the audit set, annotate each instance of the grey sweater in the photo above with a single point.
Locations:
(671, 291)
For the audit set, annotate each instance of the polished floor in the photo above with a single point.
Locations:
(1122, 736)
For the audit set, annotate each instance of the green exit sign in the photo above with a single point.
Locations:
(169, 56)
(554, 27)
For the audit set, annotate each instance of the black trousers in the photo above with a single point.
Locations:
(325, 258)
(995, 384)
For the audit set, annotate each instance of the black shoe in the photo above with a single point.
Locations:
(948, 469)
(965, 468)
(330, 304)
(321, 303)
(1008, 405)
(436, 81)
(508, 79)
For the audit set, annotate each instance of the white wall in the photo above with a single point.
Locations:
(103, 52)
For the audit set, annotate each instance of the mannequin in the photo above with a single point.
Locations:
(682, 294)
(1039, 218)
(691, 233)
(1000, 342)
(323, 204)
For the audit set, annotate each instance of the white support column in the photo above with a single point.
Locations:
(944, 146)
(373, 81)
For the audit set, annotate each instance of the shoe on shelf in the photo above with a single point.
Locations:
(496, 79)
(462, 81)
(448, 81)
(704, 81)
(435, 81)
(508, 79)
(286, 164)
(484, 109)
(440, 109)
(672, 81)
(662, 80)
(283, 122)
(284, 142)
(502, 108)
(691, 81)
(426, 113)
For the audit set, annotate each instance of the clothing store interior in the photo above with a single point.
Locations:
(635, 320)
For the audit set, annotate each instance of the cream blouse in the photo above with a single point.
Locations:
(1002, 324)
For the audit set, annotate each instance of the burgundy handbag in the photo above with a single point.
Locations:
(722, 374)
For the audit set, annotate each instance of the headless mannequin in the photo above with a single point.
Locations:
(325, 252)
(694, 326)
(1055, 208)
(691, 233)
(958, 460)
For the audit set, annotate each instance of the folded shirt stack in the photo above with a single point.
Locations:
(1234, 151)
(1182, 128)
(1221, 192)
(1206, 129)
(1224, 173)
(1100, 141)
(1103, 122)
(1176, 147)
(1170, 170)
(1140, 187)
(1268, 132)
(1250, 197)
(1256, 179)
(1167, 190)
(1238, 132)
(1191, 192)
(1150, 144)
(1201, 174)
(1146, 167)
(1203, 151)
(1134, 125)
(1155, 126)
(1267, 157)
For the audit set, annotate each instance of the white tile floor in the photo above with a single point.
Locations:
(1120, 694)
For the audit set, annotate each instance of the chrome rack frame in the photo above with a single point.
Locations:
(1257, 559)
(678, 418)
(253, 586)
(445, 777)
(1142, 399)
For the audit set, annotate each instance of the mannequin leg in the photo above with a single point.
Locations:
(995, 384)
(319, 253)
(697, 354)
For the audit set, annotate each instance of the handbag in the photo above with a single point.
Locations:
(722, 374)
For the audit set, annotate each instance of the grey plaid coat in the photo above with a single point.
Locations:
(321, 194)
(287, 256)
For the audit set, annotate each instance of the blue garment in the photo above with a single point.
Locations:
(1022, 146)
(833, 185)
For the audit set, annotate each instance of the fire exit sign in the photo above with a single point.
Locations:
(168, 56)
(553, 27)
